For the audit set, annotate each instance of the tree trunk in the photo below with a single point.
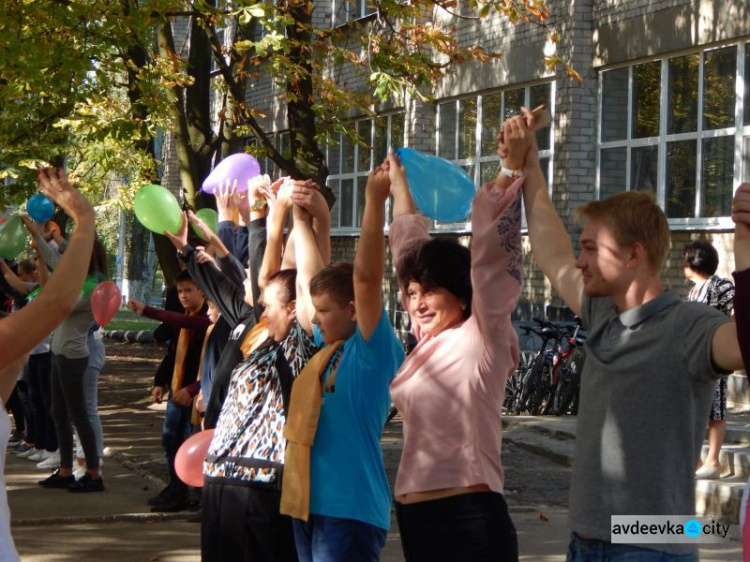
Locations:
(308, 158)
(197, 111)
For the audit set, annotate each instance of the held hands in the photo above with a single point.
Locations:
(517, 141)
(182, 397)
(136, 306)
(379, 183)
(202, 256)
(396, 173)
(306, 194)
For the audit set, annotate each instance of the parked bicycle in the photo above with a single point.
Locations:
(570, 367)
(548, 381)
(537, 383)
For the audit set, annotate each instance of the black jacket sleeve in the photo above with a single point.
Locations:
(226, 295)
(257, 247)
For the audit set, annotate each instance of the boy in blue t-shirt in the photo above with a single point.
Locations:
(350, 503)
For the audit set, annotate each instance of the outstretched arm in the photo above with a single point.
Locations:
(550, 243)
(26, 328)
(369, 263)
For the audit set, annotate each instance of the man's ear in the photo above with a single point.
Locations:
(352, 311)
(292, 306)
(638, 254)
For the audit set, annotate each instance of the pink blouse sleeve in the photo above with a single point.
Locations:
(406, 235)
(496, 266)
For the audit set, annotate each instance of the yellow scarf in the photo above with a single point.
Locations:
(183, 343)
(256, 336)
(301, 426)
(195, 416)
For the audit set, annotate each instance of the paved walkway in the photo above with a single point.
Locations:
(56, 526)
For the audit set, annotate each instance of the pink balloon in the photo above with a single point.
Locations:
(105, 302)
(189, 459)
(241, 167)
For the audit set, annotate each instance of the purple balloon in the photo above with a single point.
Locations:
(241, 167)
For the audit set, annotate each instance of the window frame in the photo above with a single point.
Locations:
(362, 11)
(357, 174)
(740, 131)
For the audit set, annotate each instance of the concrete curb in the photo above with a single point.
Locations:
(119, 518)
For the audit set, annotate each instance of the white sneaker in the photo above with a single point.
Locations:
(708, 473)
(26, 453)
(37, 456)
(52, 461)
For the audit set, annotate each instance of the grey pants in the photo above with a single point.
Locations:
(69, 404)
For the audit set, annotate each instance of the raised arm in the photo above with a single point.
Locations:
(550, 243)
(369, 263)
(408, 230)
(12, 280)
(49, 255)
(279, 207)
(226, 295)
(309, 263)
(26, 328)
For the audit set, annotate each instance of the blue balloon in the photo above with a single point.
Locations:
(40, 208)
(442, 190)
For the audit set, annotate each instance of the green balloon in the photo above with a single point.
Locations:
(157, 209)
(210, 217)
(12, 237)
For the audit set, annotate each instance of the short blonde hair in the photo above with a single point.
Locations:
(633, 217)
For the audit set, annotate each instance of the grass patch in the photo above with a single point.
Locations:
(129, 320)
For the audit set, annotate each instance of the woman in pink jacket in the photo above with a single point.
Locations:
(450, 389)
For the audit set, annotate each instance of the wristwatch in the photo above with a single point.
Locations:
(258, 205)
(511, 173)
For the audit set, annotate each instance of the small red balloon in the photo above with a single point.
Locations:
(189, 459)
(105, 302)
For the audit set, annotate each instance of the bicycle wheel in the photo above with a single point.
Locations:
(535, 404)
(569, 383)
(513, 384)
(529, 385)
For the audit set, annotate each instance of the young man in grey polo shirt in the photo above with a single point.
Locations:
(651, 359)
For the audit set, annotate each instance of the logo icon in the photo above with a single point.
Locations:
(693, 528)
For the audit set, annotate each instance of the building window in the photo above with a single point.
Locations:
(344, 11)
(675, 127)
(350, 162)
(467, 130)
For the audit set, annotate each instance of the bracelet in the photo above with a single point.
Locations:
(511, 173)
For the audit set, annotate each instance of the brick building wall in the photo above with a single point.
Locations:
(595, 36)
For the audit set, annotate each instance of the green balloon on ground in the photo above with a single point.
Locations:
(210, 217)
(12, 238)
(157, 209)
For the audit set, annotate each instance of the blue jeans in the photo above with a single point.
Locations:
(176, 430)
(332, 539)
(584, 550)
